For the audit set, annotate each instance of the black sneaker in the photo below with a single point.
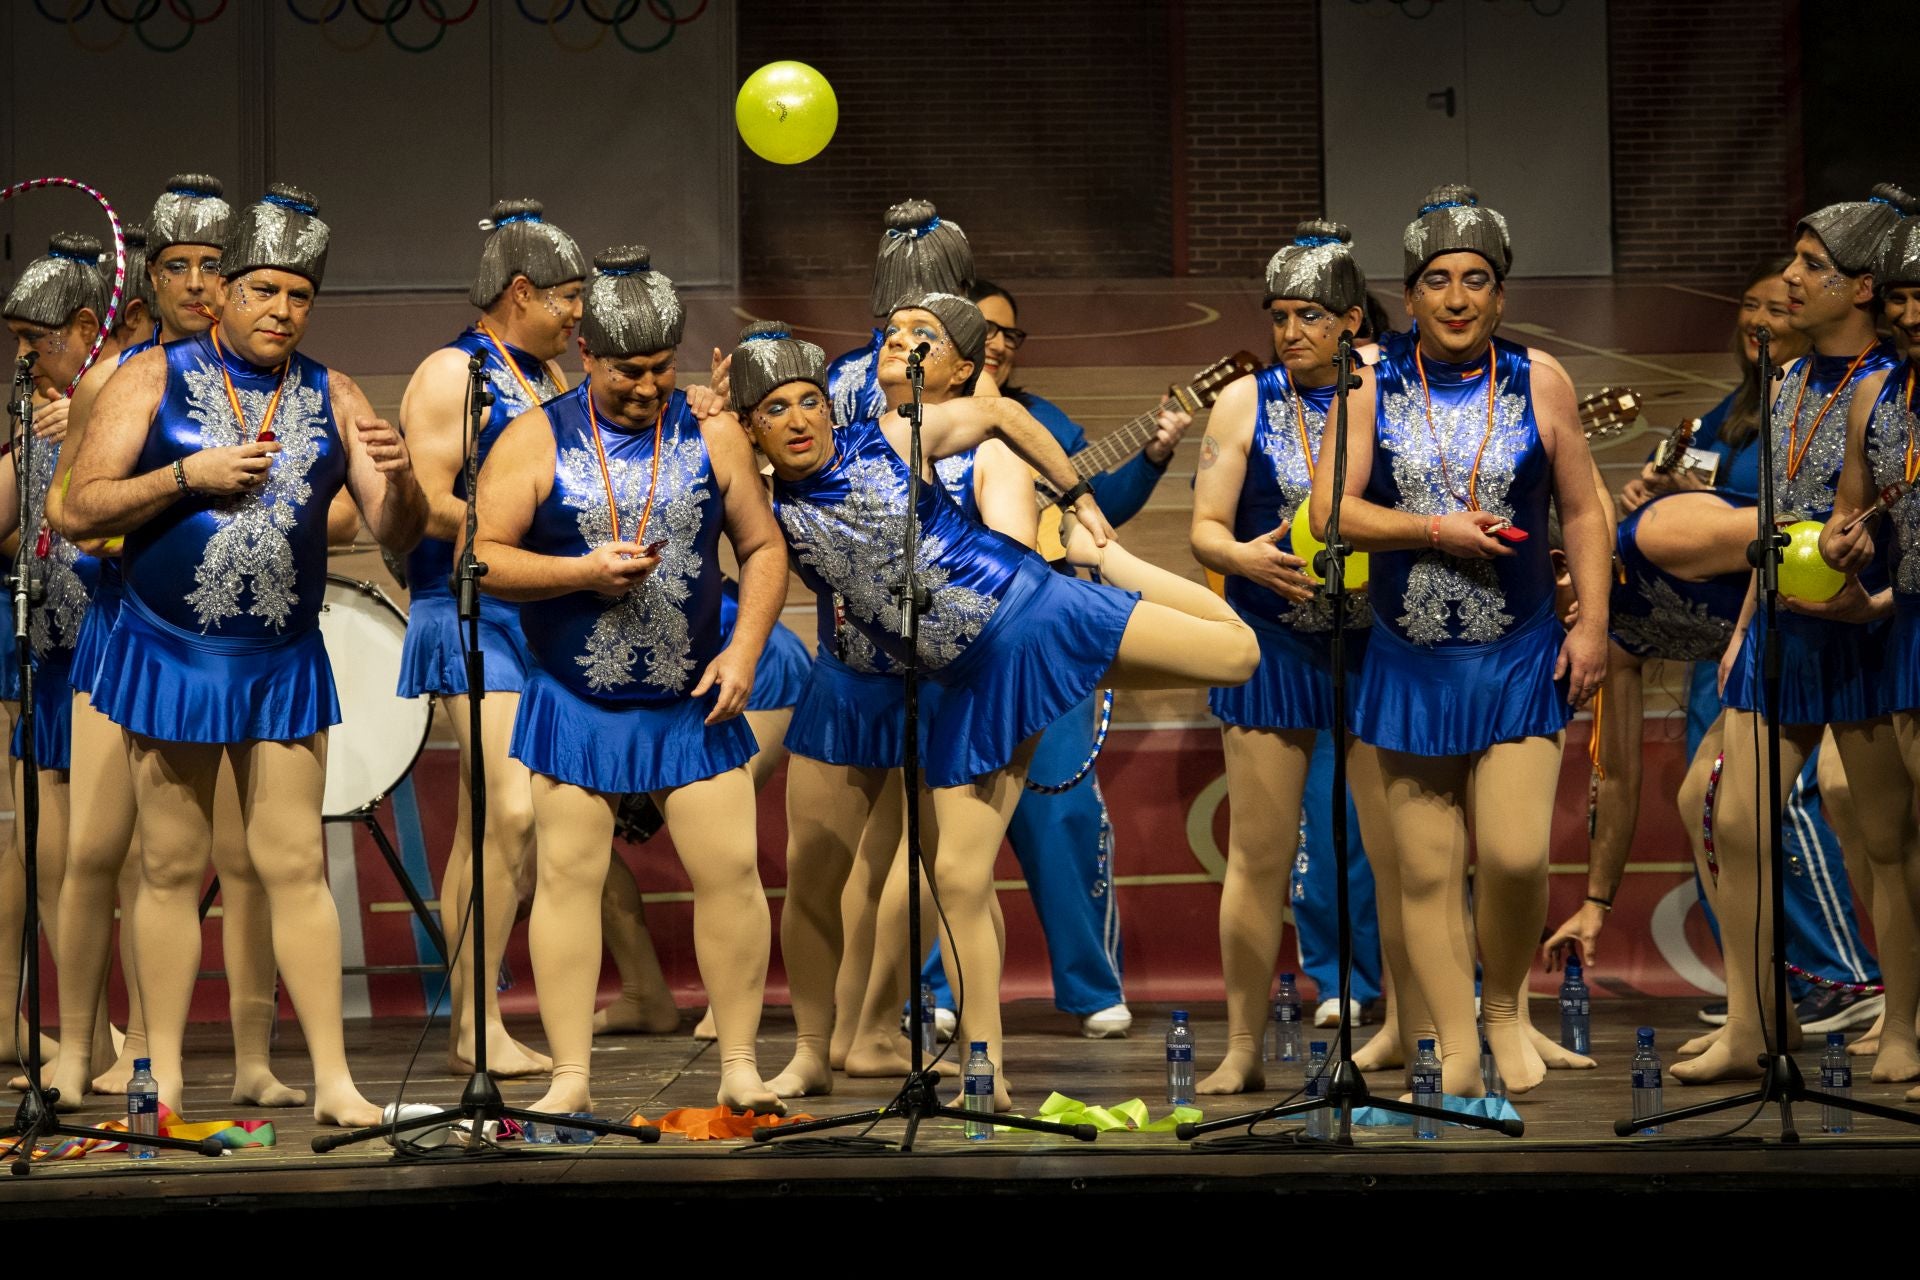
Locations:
(1715, 1014)
(1827, 1009)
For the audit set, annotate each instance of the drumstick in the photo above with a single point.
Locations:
(1888, 496)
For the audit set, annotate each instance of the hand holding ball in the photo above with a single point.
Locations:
(1803, 574)
(1306, 546)
(786, 112)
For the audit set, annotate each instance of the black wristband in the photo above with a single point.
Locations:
(1066, 500)
(1600, 902)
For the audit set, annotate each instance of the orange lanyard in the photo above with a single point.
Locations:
(1593, 741)
(533, 397)
(606, 473)
(1912, 469)
(1300, 421)
(233, 398)
(1797, 448)
(1471, 499)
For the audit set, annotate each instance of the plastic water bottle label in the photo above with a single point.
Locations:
(1840, 1077)
(1426, 1082)
(1646, 1077)
(141, 1104)
(1179, 1053)
(979, 1086)
(1287, 1012)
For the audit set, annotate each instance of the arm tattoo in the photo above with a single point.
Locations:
(1209, 452)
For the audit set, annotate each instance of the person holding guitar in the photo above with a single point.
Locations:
(1256, 469)
(1458, 443)
(1064, 839)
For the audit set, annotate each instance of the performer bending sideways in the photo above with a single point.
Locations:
(1011, 643)
(601, 512)
(1256, 468)
(1462, 438)
(528, 288)
(217, 457)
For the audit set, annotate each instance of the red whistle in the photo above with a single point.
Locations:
(267, 436)
(1506, 532)
(43, 545)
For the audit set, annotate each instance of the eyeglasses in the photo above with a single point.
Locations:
(1016, 338)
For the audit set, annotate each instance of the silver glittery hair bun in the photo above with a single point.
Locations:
(280, 231)
(769, 357)
(1318, 267)
(139, 283)
(1452, 220)
(631, 309)
(53, 289)
(920, 253)
(189, 211)
(1899, 260)
(521, 242)
(1855, 231)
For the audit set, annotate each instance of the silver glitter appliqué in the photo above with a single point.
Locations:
(507, 392)
(1449, 599)
(856, 397)
(1811, 491)
(1887, 435)
(276, 238)
(955, 474)
(1675, 628)
(1296, 272)
(855, 548)
(56, 620)
(1280, 445)
(651, 619)
(250, 550)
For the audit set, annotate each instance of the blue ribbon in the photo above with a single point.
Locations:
(1314, 242)
(771, 335)
(512, 218)
(70, 256)
(288, 202)
(914, 232)
(1426, 209)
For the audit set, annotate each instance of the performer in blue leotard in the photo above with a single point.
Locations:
(1256, 469)
(1010, 643)
(217, 458)
(528, 288)
(601, 513)
(1469, 674)
(1883, 460)
(920, 253)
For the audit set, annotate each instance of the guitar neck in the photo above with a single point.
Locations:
(1111, 450)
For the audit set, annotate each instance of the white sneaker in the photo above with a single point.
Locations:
(945, 1024)
(1108, 1024)
(1328, 1014)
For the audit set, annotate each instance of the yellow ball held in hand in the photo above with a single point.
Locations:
(786, 112)
(1803, 574)
(1306, 546)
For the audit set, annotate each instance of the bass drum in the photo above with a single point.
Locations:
(380, 735)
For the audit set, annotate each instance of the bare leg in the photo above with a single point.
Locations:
(509, 845)
(644, 1004)
(1266, 775)
(1386, 1051)
(246, 940)
(714, 829)
(828, 807)
(860, 912)
(1882, 802)
(1745, 894)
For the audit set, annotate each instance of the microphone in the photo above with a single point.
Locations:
(24, 365)
(919, 353)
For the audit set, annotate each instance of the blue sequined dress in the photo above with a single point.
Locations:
(1463, 651)
(782, 669)
(1654, 614)
(1012, 644)
(1890, 435)
(1292, 687)
(218, 639)
(433, 659)
(607, 704)
(1833, 669)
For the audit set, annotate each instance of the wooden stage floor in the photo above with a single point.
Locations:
(1568, 1146)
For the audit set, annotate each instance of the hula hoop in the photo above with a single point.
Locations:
(1102, 720)
(119, 260)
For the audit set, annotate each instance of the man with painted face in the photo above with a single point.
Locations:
(217, 458)
(1011, 643)
(920, 253)
(1256, 469)
(1459, 438)
(1882, 428)
(528, 289)
(1832, 652)
(601, 513)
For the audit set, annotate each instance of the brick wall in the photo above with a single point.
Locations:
(1703, 143)
(1040, 126)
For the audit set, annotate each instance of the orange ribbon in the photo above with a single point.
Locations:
(1471, 499)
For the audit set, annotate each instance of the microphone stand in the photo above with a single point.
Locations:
(918, 1099)
(480, 1102)
(1346, 1087)
(36, 1119)
(1782, 1082)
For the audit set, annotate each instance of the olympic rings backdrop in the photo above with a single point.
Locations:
(407, 118)
(411, 26)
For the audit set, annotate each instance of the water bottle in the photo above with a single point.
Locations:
(929, 1032)
(1575, 1006)
(1646, 1079)
(1836, 1078)
(1490, 1071)
(1180, 1060)
(978, 1091)
(1319, 1075)
(1283, 1040)
(1426, 1089)
(143, 1108)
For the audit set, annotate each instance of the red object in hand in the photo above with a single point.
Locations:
(43, 545)
(1508, 533)
(267, 436)
(653, 548)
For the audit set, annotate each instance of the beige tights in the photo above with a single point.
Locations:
(861, 905)
(1407, 1017)
(1266, 777)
